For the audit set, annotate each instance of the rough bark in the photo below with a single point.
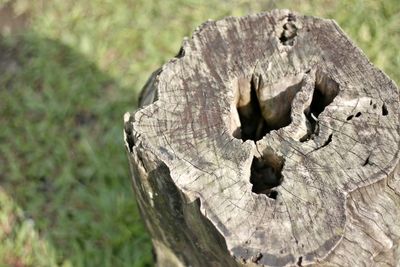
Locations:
(269, 140)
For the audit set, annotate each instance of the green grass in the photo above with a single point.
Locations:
(68, 74)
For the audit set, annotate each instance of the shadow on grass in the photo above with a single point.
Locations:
(62, 158)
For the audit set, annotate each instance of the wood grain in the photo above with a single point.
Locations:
(269, 140)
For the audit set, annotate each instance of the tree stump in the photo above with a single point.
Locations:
(269, 140)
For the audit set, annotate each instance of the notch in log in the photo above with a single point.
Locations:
(270, 140)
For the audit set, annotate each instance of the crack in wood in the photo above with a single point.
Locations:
(128, 132)
(300, 260)
(366, 162)
(256, 258)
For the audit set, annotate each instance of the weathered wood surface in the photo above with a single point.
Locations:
(269, 140)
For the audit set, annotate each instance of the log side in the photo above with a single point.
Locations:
(269, 140)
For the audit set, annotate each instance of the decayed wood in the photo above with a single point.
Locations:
(269, 140)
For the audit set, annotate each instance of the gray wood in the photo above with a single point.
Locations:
(268, 140)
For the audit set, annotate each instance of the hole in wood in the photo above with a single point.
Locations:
(263, 108)
(385, 111)
(273, 194)
(289, 32)
(266, 174)
(299, 262)
(325, 91)
(252, 124)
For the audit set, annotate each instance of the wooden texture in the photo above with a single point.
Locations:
(268, 140)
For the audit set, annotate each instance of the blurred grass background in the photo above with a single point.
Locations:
(68, 72)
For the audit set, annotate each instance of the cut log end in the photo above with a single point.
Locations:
(269, 140)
